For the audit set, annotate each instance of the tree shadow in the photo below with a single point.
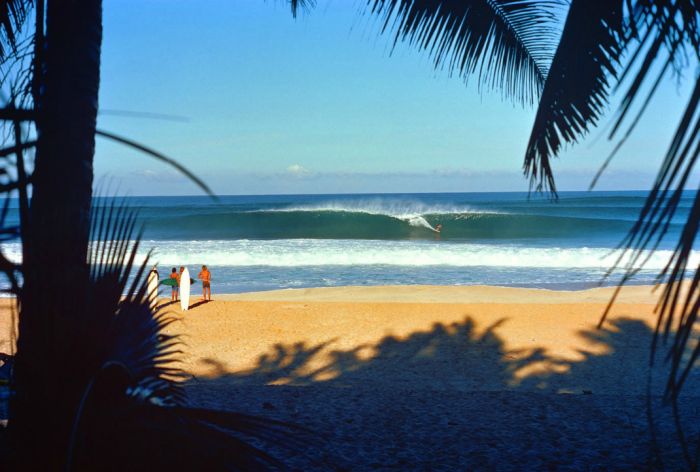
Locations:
(456, 388)
(461, 357)
(454, 356)
(615, 358)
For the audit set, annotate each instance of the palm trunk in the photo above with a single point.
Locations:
(53, 309)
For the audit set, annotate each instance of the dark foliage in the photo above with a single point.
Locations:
(666, 34)
(576, 90)
(96, 384)
(507, 44)
(133, 413)
(300, 5)
(13, 13)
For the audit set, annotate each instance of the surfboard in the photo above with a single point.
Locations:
(153, 288)
(185, 289)
(169, 282)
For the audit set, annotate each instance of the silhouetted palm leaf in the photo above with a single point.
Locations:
(134, 412)
(655, 219)
(298, 5)
(161, 157)
(667, 29)
(12, 16)
(507, 44)
(665, 33)
(576, 90)
(600, 33)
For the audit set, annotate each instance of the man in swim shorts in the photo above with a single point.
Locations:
(205, 277)
(174, 275)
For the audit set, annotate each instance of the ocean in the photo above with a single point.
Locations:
(267, 242)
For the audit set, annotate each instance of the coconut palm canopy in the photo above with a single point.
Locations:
(564, 57)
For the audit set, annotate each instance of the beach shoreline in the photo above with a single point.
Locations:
(451, 294)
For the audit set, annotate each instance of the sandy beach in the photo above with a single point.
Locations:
(438, 378)
(454, 338)
(441, 378)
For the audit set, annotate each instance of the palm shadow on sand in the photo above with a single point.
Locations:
(456, 389)
(459, 356)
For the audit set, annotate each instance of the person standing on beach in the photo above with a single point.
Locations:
(174, 275)
(179, 276)
(205, 277)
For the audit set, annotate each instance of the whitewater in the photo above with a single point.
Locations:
(268, 242)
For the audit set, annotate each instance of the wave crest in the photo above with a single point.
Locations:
(302, 253)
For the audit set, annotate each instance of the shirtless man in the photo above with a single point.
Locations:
(174, 275)
(205, 277)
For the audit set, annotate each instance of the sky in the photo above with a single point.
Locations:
(258, 102)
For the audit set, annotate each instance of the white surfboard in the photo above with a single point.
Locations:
(153, 288)
(185, 289)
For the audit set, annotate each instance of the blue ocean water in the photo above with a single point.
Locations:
(253, 243)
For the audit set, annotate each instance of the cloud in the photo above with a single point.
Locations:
(161, 175)
(146, 173)
(298, 171)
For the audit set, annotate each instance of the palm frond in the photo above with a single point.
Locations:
(653, 224)
(161, 157)
(506, 44)
(10, 113)
(664, 29)
(12, 16)
(576, 90)
(134, 409)
(667, 30)
(299, 5)
(671, 31)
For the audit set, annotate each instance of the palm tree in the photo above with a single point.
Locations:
(66, 114)
(94, 379)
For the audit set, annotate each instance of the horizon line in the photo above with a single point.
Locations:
(526, 192)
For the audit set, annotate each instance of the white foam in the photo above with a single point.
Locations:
(411, 212)
(400, 209)
(311, 252)
(419, 221)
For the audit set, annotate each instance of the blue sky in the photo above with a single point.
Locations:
(320, 105)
